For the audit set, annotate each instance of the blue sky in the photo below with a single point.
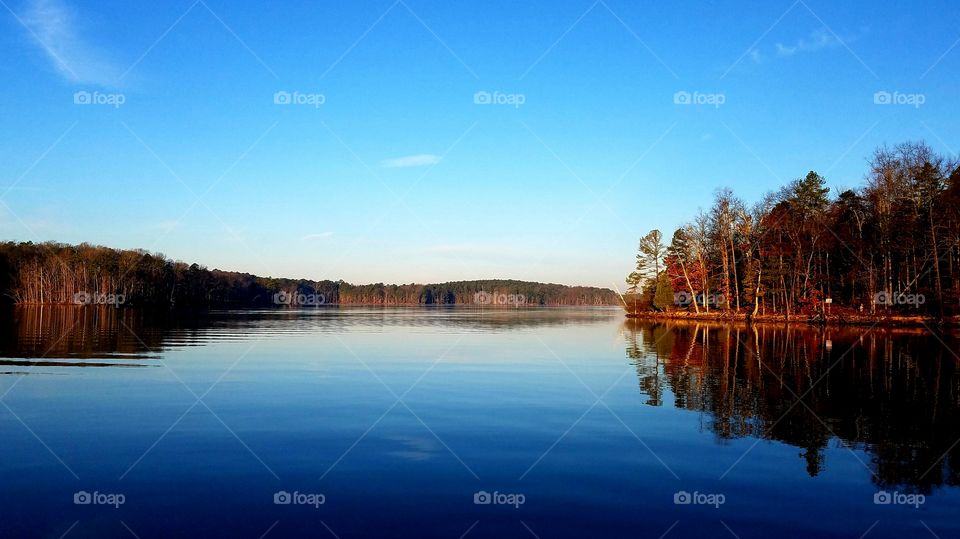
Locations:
(386, 167)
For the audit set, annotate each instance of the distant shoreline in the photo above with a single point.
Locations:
(58, 273)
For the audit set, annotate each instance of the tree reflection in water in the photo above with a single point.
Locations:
(892, 394)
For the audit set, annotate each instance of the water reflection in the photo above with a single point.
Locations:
(77, 333)
(892, 394)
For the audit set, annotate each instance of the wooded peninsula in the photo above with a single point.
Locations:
(60, 274)
(887, 250)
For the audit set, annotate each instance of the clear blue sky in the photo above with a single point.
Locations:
(399, 176)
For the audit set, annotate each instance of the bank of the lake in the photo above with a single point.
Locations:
(845, 319)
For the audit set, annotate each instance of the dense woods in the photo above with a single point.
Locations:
(889, 246)
(55, 273)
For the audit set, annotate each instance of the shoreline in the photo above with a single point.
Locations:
(726, 317)
(157, 308)
(837, 320)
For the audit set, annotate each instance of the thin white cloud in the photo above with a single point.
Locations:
(52, 26)
(487, 253)
(817, 40)
(411, 161)
(168, 226)
(320, 236)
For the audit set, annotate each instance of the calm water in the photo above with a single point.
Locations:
(576, 422)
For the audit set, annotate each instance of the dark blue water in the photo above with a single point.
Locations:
(404, 422)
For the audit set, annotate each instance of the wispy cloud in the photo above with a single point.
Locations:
(475, 252)
(52, 26)
(167, 226)
(411, 161)
(320, 236)
(817, 40)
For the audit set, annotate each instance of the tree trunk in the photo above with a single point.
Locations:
(686, 278)
(756, 294)
(936, 264)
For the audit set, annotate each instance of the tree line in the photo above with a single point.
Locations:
(889, 245)
(57, 273)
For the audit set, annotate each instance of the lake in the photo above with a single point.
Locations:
(456, 422)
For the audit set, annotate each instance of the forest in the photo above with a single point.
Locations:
(56, 273)
(891, 245)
